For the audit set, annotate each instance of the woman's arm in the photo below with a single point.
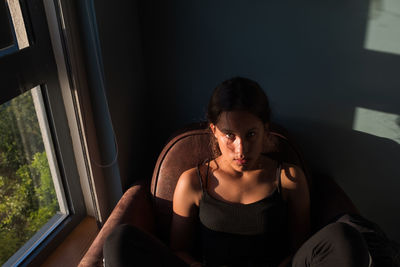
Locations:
(296, 192)
(185, 211)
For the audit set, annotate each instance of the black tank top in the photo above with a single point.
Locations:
(235, 234)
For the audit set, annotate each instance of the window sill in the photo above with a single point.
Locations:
(74, 247)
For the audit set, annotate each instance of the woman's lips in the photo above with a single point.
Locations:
(241, 161)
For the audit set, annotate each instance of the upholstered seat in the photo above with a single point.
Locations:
(148, 206)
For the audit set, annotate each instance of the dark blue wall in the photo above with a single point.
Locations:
(310, 58)
(162, 60)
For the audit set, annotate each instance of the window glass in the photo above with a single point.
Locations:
(12, 10)
(30, 188)
(6, 39)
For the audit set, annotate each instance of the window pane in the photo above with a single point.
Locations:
(16, 20)
(28, 197)
(6, 39)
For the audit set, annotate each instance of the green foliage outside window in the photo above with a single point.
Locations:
(27, 196)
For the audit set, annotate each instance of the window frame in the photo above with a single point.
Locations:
(44, 63)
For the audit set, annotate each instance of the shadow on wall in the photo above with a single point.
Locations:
(365, 166)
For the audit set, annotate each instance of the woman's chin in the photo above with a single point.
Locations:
(241, 165)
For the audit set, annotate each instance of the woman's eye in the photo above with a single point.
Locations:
(230, 135)
(251, 134)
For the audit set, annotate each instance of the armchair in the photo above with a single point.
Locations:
(148, 206)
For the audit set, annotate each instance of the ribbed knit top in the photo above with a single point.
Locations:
(235, 234)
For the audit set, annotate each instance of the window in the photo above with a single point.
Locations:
(31, 192)
(40, 191)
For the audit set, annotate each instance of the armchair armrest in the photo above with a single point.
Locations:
(134, 208)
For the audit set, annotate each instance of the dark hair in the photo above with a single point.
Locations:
(238, 94)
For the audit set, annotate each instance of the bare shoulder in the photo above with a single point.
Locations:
(190, 179)
(293, 178)
(188, 186)
(292, 172)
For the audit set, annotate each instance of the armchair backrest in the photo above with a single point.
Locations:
(190, 147)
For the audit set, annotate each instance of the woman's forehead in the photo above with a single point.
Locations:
(238, 120)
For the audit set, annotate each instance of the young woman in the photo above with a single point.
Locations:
(252, 209)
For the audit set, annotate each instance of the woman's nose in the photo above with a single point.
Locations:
(239, 147)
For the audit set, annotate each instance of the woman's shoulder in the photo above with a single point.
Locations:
(291, 171)
(188, 188)
(293, 179)
(189, 181)
(190, 177)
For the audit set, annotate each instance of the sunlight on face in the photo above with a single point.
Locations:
(240, 136)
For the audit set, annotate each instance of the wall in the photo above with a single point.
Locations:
(311, 59)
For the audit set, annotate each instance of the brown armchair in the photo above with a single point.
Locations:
(149, 206)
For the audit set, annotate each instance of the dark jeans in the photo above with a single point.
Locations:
(129, 246)
(341, 243)
(337, 244)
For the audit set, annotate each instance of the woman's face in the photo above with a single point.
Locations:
(240, 136)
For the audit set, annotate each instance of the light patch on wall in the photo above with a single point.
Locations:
(377, 123)
(383, 30)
